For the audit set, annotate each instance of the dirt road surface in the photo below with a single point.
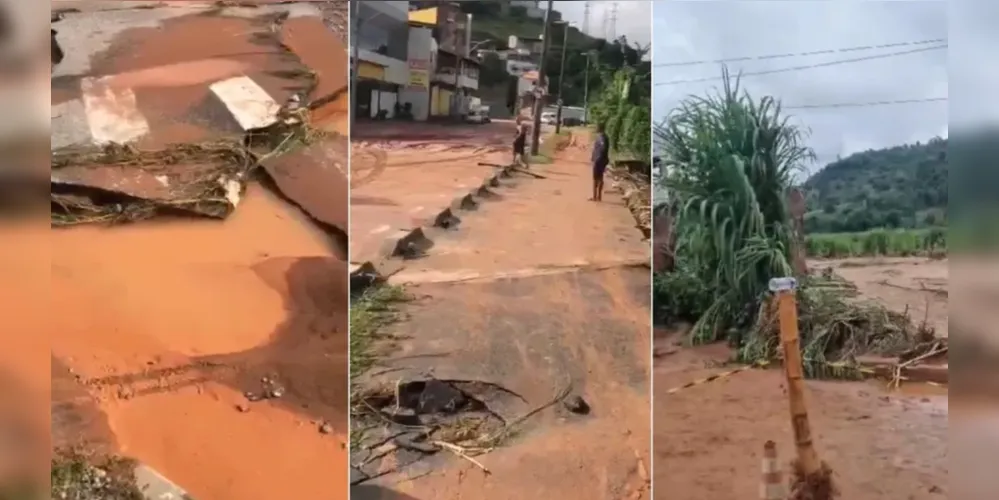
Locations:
(881, 445)
(534, 291)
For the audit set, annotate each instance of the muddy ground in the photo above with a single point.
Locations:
(881, 445)
(514, 297)
(213, 351)
(171, 346)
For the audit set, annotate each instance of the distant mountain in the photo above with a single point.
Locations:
(898, 187)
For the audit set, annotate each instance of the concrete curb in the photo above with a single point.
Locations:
(156, 487)
(405, 244)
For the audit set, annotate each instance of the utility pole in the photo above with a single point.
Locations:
(613, 22)
(586, 18)
(561, 76)
(542, 81)
(586, 91)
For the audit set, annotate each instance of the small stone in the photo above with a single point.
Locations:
(275, 392)
(577, 405)
(252, 396)
(325, 428)
(936, 489)
(243, 407)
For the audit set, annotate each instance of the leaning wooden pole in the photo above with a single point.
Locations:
(808, 463)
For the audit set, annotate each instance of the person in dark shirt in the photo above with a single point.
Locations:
(520, 143)
(600, 159)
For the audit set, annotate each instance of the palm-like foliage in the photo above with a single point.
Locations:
(728, 162)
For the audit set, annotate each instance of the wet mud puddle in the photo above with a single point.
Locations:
(215, 351)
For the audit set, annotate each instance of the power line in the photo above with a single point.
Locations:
(809, 66)
(866, 104)
(766, 57)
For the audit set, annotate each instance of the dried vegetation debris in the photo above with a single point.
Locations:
(632, 180)
(75, 476)
(411, 420)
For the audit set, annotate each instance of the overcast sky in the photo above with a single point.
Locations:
(632, 18)
(711, 30)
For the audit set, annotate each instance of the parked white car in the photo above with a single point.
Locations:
(478, 115)
(548, 118)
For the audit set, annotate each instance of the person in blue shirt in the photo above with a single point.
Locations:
(600, 159)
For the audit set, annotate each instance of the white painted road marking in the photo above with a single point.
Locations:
(250, 104)
(108, 112)
(112, 113)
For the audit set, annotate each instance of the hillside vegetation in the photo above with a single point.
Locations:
(490, 23)
(899, 187)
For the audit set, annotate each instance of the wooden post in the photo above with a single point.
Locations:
(772, 485)
(787, 311)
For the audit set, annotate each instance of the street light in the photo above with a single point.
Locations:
(586, 87)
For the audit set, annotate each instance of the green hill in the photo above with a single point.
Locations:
(899, 187)
(491, 22)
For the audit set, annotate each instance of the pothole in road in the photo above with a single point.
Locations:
(404, 423)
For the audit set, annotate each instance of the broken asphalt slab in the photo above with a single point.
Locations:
(314, 178)
(164, 75)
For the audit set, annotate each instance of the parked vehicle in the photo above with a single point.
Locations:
(479, 114)
(548, 118)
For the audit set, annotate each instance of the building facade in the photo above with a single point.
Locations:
(454, 79)
(382, 39)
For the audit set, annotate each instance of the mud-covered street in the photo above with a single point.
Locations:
(199, 271)
(533, 310)
(880, 444)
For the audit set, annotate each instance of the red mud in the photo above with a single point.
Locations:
(709, 438)
(496, 133)
(321, 50)
(404, 187)
(169, 322)
(24, 367)
(553, 222)
(588, 325)
(171, 66)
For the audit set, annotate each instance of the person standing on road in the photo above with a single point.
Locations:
(600, 159)
(520, 143)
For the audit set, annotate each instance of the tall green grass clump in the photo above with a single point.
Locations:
(729, 162)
